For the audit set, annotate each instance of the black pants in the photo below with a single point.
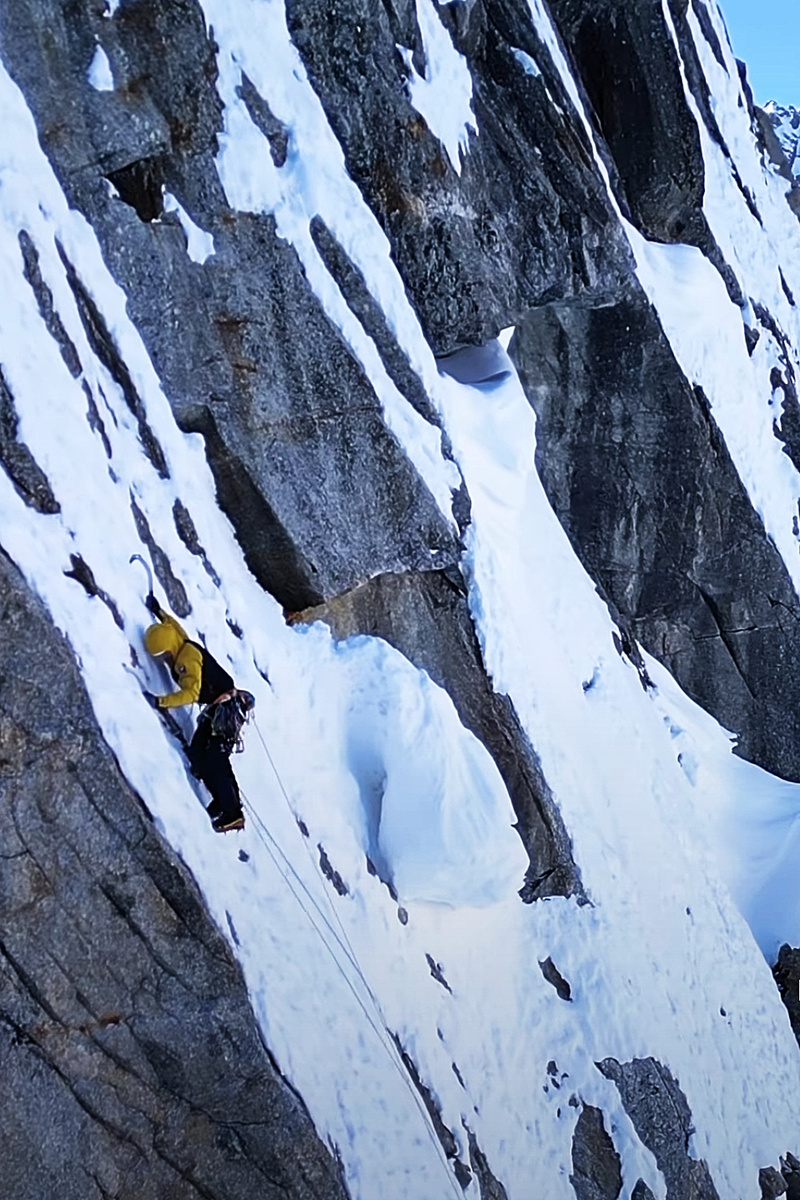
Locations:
(209, 759)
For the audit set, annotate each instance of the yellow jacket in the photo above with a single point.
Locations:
(187, 660)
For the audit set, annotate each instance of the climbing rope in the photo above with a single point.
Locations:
(268, 841)
(351, 954)
(272, 847)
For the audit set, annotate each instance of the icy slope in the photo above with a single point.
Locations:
(653, 959)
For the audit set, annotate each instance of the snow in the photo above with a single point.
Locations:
(755, 828)
(547, 32)
(438, 845)
(753, 818)
(707, 335)
(756, 817)
(760, 819)
(443, 95)
(199, 244)
(669, 830)
(708, 339)
(99, 74)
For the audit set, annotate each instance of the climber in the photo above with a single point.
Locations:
(202, 680)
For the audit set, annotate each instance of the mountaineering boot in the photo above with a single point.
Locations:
(227, 824)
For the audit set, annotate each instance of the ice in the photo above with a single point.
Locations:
(99, 74)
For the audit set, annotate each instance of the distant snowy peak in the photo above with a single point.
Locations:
(786, 122)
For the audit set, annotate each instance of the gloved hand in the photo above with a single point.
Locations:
(152, 605)
(151, 699)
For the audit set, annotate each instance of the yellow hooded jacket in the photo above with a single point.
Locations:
(168, 637)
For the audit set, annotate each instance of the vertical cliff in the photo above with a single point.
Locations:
(441, 360)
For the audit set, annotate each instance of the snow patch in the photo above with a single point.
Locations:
(443, 96)
(526, 62)
(199, 244)
(99, 73)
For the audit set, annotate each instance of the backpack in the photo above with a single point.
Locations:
(215, 679)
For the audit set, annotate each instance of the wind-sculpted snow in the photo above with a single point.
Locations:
(443, 1035)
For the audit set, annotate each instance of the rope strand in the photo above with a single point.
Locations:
(382, 1033)
(331, 905)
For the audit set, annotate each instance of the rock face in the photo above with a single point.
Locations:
(244, 351)
(787, 977)
(129, 1050)
(779, 130)
(636, 93)
(126, 1033)
(655, 509)
(527, 220)
(785, 124)
(526, 228)
(285, 416)
(595, 1162)
(625, 56)
(661, 519)
(658, 1108)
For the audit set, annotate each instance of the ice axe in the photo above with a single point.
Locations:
(150, 592)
